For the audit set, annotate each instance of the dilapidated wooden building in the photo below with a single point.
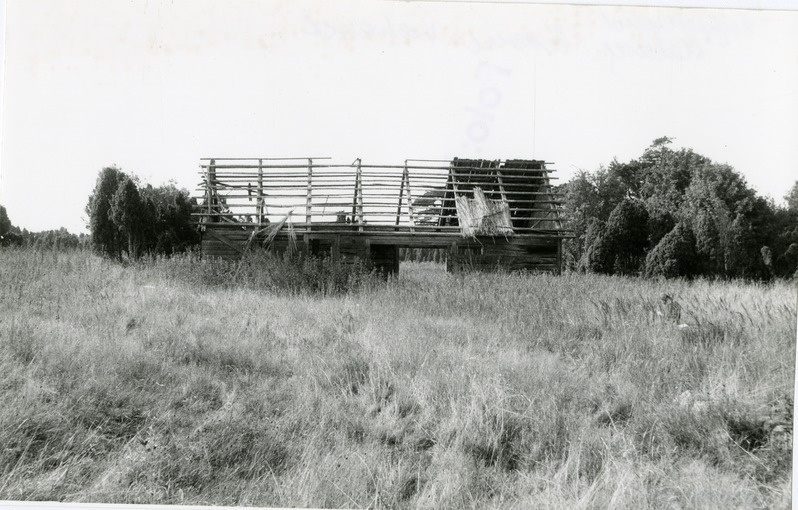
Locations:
(485, 213)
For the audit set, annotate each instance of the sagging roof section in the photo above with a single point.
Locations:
(524, 185)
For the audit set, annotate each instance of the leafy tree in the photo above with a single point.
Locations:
(167, 212)
(126, 214)
(725, 184)
(105, 235)
(11, 239)
(597, 255)
(708, 246)
(709, 218)
(597, 195)
(626, 237)
(9, 234)
(5, 223)
(668, 174)
(743, 257)
(785, 241)
(611, 189)
(660, 222)
(622, 180)
(787, 263)
(126, 217)
(792, 198)
(731, 224)
(582, 203)
(674, 256)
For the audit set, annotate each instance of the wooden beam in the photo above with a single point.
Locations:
(501, 184)
(308, 204)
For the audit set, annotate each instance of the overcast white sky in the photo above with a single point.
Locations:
(152, 86)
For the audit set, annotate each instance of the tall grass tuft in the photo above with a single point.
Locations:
(261, 270)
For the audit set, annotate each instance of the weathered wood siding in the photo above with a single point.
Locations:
(382, 251)
(540, 255)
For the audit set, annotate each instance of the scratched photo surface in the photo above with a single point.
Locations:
(397, 255)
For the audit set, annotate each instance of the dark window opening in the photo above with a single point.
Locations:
(321, 247)
(385, 258)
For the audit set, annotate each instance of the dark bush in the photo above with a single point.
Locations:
(5, 223)
(626, 238)
(708, 246)
(597, 256)
(168, 210)
(659, 224)
(106, 238)
(744, 252)
(125, 217)
(674, 256)
(11, 239)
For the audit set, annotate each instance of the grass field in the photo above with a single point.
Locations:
(157, 383)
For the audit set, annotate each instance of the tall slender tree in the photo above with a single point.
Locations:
(105, 236)
(626, 237)
(126, 213)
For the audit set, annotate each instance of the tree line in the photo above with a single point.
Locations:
(60, 239)
(676, 213)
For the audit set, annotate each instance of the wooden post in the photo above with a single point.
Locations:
(452, 264)
(559, 256)
(211, 187)
(260, 193)
(336, 248)
(308, 203)
(208, 191)
(409, 200)
(354, 194)
(359, 195)
(401, 193)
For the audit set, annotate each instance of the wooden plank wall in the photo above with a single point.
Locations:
(463, 254)
(507, 255)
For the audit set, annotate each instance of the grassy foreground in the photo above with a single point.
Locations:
(146, 384)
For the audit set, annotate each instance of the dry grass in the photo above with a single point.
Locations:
(151, 384)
